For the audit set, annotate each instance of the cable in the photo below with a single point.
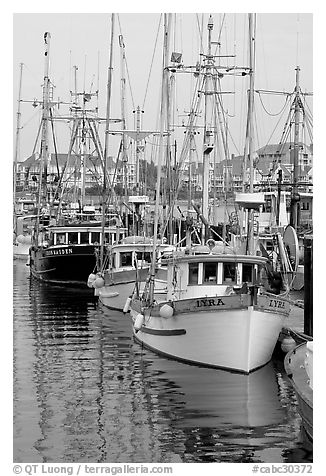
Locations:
(152, 61)
(269, 113)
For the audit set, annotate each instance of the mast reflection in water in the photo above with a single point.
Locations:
(85, 392)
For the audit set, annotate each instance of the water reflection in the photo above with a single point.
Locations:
(84, 391)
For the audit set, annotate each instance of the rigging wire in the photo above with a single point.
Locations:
(270, 113)
(152, 61)
(200, 30)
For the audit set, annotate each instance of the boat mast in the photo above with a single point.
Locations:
(106, 147)
(123, 117)
(251, 98)
(295, 188)
(250, 129)
(17, 130)
(42, 192)
(208, 134)
(159, 164)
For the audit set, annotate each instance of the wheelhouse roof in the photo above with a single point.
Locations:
(218, 258)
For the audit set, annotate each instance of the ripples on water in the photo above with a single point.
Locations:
(85, 392)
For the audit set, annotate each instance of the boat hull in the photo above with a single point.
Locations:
(296, 367)
(63, 265)
(21, 251)
(120, 285)
(234, 336)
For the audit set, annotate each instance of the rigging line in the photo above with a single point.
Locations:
(152, 61)
(200, 34)
(268, 142)
(30, 119)
(226, 124)
(54, 144)
(306, 106)
(270, 113)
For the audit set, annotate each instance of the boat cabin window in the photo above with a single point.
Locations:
(193, 273)
(126, 258)
(229, 273)
(210, 273)
(73, 238)
(144, 256)
(107, 238)
(269, 245)
(84, 237)
(247, 270)
(95, 237)
(267, 206)
(60, 238)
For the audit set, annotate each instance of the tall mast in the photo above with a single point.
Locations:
(106, 147)
(159, 164)
(251, 97)
(250, 129)
(42, 192)
(138, 148)
(208, 134)
(123, 115)
(18, 129)
(295, 195)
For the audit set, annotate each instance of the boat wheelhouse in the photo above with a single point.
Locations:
(127, 268)
(67, 254)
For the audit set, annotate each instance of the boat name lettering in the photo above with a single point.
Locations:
(209, 302)
(275, 303)
(63, 251)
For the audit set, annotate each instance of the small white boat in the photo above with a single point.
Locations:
(216, 311)
(128, 263)
(23, 236)
(298, 364)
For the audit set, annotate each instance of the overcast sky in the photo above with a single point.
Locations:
(283, 41)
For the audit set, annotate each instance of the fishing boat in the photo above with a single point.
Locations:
(66, 254)
(128, 262)
(216, 312)
(299, 367)
(219, 309)
(67, 248)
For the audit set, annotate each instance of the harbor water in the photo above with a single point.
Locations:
(84, 391)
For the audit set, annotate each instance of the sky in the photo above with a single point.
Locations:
(283, 41)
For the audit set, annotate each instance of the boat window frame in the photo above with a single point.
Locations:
(69, 236)
(210, 282)
(195, 265)
(57, 234)
(121, 253)
(234, 281)
(81, 235)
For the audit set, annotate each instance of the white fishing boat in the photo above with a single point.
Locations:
(128, 262)
(216, 312)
